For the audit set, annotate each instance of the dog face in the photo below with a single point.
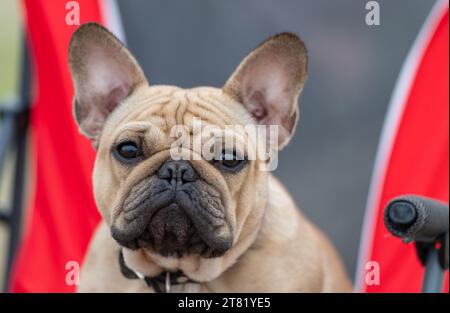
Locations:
(194, 206)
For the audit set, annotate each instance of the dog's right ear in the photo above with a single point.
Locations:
(104, 73)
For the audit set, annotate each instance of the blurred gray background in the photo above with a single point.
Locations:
(352, 71)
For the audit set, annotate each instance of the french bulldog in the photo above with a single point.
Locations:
(194, 225)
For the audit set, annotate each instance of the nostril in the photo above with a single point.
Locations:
(188, 174)
(179, 171)
(165, 172)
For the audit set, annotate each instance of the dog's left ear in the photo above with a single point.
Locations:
(269, 81)
(104, 73)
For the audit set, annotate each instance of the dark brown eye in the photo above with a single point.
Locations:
(127, 151)
(230, 161)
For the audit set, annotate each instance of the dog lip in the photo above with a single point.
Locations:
(173, 219)
(169, 242)
(124, 240)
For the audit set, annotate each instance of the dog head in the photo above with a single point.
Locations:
(190, 207)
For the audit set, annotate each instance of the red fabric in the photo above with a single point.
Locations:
(418, 164)
(62, 215)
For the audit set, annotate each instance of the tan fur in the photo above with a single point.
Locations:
(289, 255)
(275, 248)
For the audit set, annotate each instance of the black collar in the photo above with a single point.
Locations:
(160, 283)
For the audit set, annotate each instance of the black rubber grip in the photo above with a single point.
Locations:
(416, 218)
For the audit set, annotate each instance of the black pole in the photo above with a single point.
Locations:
(434, 274)
(21, 129)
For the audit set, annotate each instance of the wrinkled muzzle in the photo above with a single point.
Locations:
(173, 213)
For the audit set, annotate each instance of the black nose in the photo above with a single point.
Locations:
(177, 172)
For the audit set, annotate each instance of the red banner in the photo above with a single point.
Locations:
(62, 214)
(413, 156)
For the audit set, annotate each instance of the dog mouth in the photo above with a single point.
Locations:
(172, 233)
(173, 221)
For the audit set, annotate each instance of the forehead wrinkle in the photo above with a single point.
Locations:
(132, 107)
(149, 102)
(174, 109)
(203, 112)
(181, 109)
(222, 108)
(146, 96)
(206, 117)
(213, 111)
(136, 126)
(153, 110)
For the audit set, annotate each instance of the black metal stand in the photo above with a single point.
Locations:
(434, 275)
(434, 257)
(14, 118)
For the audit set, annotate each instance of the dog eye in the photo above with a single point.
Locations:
(230, 161)
(127, 151)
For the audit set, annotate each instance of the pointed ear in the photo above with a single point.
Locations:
(104, 73)
(269, 81)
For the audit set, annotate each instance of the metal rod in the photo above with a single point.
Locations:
(434, 275)
(6, 135)
(21, 129)
(4, 217)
